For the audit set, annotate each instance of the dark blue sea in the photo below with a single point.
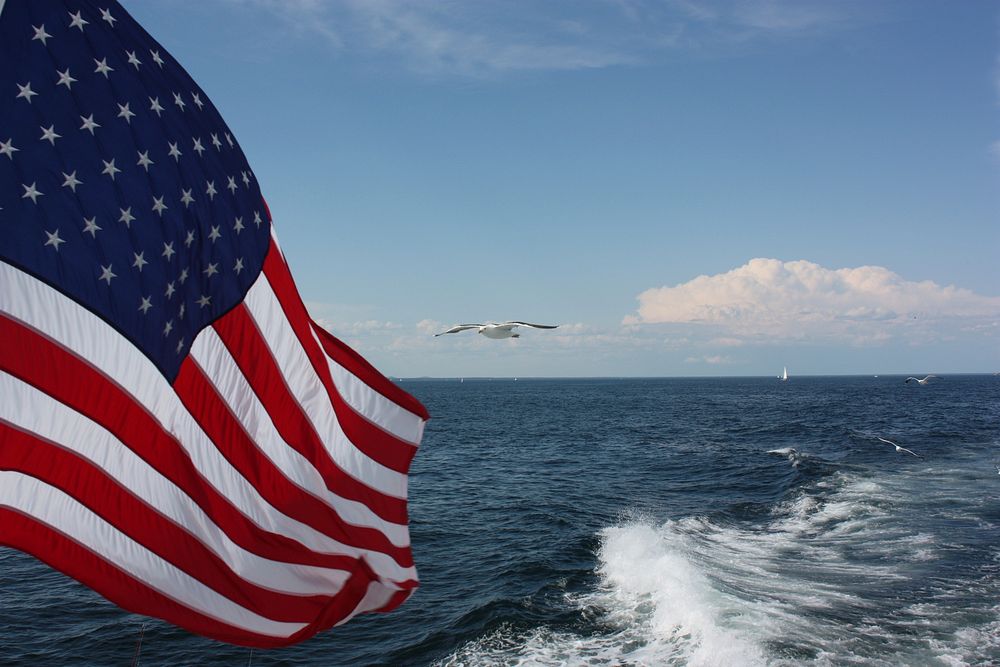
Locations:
(729, 521)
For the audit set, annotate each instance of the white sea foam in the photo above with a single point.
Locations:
(801, 587)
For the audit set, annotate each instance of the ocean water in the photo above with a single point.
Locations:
(732, 521)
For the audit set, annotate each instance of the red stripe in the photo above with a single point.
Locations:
(280, 277)
(239, 333)
(92, 487)
(375, 442)
(225, 431)
(27, 355)
(62, 553)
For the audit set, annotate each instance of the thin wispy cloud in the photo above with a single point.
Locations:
(768, 300)
(488, 39)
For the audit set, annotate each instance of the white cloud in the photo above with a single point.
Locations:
(483, 39)
(711, 359)
(767, 299)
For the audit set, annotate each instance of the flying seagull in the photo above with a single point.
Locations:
(898, 448)
(924, 381)
(494, 330)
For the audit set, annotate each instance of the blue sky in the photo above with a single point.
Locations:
(685, 187)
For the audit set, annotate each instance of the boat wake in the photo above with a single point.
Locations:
(841, 571)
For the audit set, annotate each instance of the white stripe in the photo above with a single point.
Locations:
(36, 412)
(222, 371)
(56, 509)
(375, 407)
(1, 6)
(309, 392)
(376, 597)
(368, 402)
(78, 330)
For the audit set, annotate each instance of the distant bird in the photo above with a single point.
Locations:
(924, 381)
(899, 448)
(497, 331)
(997, 467)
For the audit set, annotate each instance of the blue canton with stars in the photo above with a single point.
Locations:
(120, 184)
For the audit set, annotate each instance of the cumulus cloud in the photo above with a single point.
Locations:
(802, 300)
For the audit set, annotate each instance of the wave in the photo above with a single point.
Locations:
(836, 573)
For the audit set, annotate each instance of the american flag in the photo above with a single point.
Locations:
(175, 431)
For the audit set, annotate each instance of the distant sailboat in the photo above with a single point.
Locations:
(784, 374)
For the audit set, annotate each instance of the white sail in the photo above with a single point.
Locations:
(784, 374)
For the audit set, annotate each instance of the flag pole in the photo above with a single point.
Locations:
(138, 646)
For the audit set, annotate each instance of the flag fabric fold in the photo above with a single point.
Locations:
(175, 431)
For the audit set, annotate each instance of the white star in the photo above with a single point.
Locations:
(168, 328)
(216, 142)
(125, 112)
(154, 105)
(65, 79)
(8, 148)
(159, 206)
(144, 160)
(238, 225)
(25, 91)
(106, 274)
(175, 152)
(126, 216)
(140, 260)
(198, 148)
(239, 266)
(197, 100)
(40, 34)
(211, 270)
(186, 198)
(188, 240)
(183, 276)
(54, 239)
(78, 21)
(49, 134)
(156, 58)
(71, 181)
(90, 225)
(31, 192)
(180, 312)
(106, 16)
(178, 101)
(232, 185)
(133, 60)
(246, 179)
(102, 67)
(89, 124)
(229, 139)
(214, 234)
(147, 303)
(257, 219)
(110, 169)
(168, 250)
(203, 301)
(180, 345)
(170, 290)
(210, 190)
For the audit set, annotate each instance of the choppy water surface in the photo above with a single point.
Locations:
(739, 521)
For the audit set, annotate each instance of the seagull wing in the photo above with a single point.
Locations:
(459, 327)
(929, 377)
(515, 323)
(887, 441)
(909, 451)
(911, 378)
